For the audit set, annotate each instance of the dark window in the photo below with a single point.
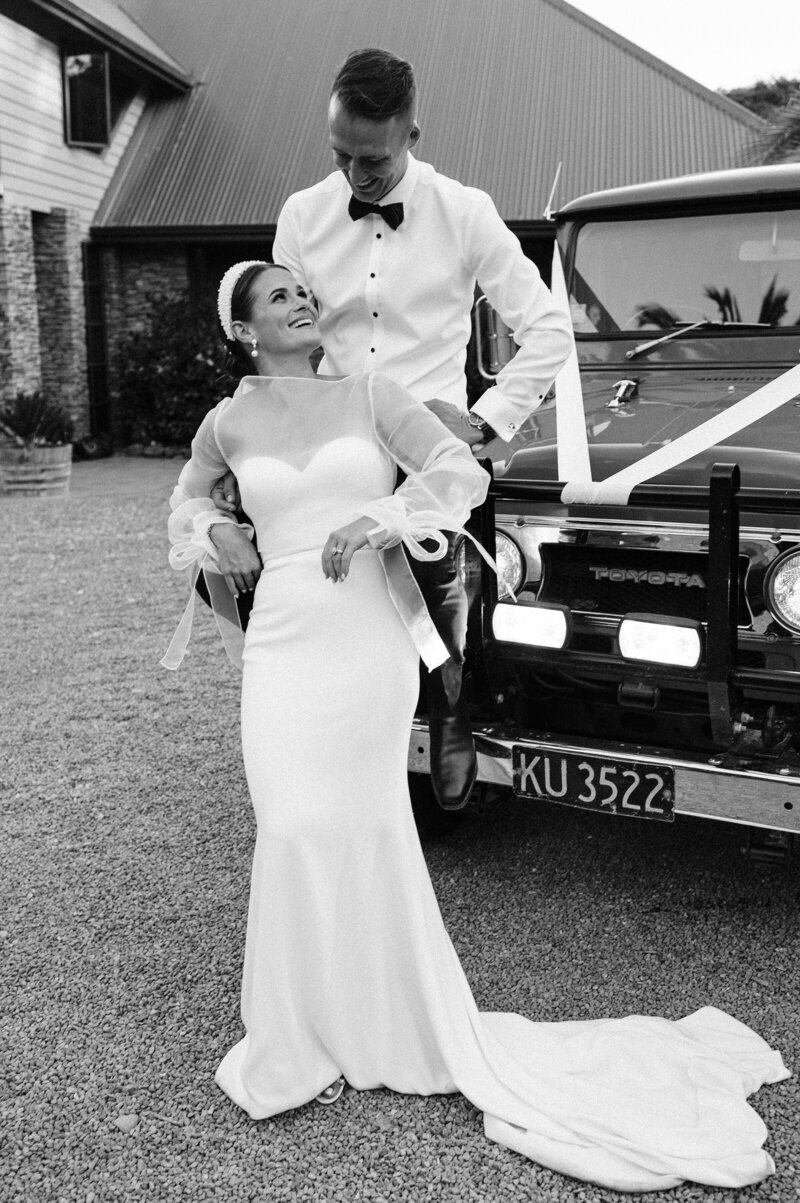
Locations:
(87, 101)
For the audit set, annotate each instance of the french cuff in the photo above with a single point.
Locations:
(395, 525)
(504, 417)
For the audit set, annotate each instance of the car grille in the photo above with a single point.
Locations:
(609, 580)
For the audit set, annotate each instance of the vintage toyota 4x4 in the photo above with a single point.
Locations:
(650, 665)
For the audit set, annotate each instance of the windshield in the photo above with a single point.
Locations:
(661, 273)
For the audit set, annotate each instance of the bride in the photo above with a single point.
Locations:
(349, 973)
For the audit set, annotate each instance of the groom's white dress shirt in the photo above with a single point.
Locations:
(399, 301)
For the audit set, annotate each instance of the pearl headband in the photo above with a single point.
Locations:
(225, 294)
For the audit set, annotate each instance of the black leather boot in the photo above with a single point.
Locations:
(453, 762)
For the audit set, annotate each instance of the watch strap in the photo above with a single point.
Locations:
(479, 423)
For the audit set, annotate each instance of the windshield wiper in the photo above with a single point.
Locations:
(667, 338)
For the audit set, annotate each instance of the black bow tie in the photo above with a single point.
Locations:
(391, 214)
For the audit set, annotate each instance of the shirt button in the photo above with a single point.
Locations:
(372, 350)
(372, 275)
(374, 315)
(512, 426)
(378, 235)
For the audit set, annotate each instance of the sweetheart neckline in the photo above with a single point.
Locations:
(276, 459)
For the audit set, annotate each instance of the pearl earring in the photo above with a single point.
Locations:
(254, 345)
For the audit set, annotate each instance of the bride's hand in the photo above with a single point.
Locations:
(340, 545)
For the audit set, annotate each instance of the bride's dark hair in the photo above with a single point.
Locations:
(238, 362)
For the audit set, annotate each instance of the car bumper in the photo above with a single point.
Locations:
(726, 787)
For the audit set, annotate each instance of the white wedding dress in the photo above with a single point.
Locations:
(348, 967)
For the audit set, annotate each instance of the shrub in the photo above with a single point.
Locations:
(168, 374)
(36, 420)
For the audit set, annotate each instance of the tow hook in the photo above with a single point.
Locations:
(763, 846)
(625, 391)
(768, 737)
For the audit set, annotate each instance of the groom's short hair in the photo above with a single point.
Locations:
(377, 85)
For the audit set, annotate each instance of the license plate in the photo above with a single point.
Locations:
(646, 791)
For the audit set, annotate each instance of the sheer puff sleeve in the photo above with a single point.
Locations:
(193, 515)
(443, 481)
(193, 511)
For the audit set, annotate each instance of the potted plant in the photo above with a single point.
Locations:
(36, 436)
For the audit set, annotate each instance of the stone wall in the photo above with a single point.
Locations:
(20, 359)
(132, 276)
(62, 318)
(42, 319)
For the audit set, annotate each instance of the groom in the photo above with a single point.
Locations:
(392, 251)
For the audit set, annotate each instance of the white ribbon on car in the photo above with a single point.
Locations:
(573, 446)
(616, 489)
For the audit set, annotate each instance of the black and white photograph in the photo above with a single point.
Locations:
(400, 498)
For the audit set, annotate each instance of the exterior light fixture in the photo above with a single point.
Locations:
(782, 590)
(509, 560)
(660, 640)
(536, 624)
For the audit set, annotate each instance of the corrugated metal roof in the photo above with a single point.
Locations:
(113, 27)
(508, 89)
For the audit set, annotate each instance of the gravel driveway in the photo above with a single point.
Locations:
(126, 836)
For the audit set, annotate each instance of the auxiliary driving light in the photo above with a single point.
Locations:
(782, 590)
(660, 640)
(534, 623)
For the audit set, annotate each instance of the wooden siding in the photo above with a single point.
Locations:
(39, 171)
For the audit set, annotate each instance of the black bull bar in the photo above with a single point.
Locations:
(722, 504)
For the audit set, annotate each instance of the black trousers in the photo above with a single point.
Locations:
(444, 595)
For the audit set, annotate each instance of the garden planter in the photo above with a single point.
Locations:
(35, 471)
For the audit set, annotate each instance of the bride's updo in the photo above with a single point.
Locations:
(235, 301)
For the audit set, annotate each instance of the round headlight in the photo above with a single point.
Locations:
(511, 565)
(782, 590)
(509, 561)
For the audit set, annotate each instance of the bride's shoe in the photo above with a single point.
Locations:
(332, 1093)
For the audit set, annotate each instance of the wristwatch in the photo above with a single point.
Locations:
(480, 424)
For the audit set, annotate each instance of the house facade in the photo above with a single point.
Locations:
(74, 82)
(512, 96)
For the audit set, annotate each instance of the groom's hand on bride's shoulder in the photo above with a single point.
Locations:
(225, 494)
